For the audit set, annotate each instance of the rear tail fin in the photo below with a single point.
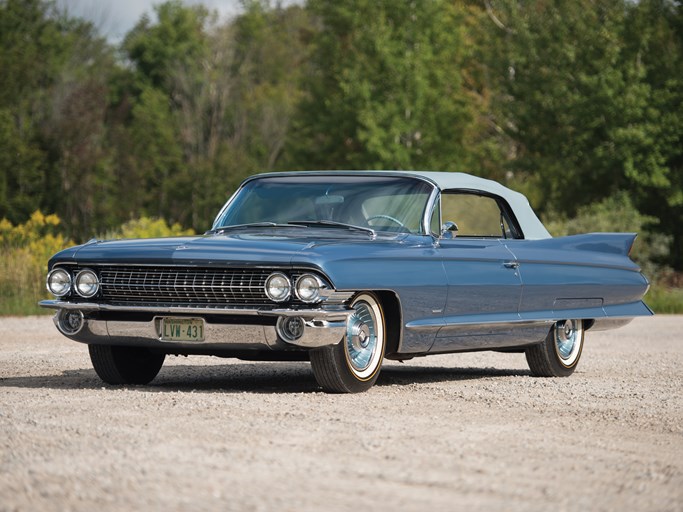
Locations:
(611, 243)
(599, 248)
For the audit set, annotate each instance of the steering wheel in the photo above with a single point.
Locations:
(387, 217)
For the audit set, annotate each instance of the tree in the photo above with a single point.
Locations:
(589, 94)
(204, 123)
(385, 87)
(655, 164)
(28, 36)
(52, 109)
(272, 48)
(21, 170)
(178, 39)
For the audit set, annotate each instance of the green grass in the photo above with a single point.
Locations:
(665, 300)
(19, 307)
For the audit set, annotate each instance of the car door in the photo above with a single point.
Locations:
(484, 286)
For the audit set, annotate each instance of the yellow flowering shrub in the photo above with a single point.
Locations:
(26, 248)
(147, 227)
(24, 252)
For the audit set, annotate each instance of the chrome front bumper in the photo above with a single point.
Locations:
(322, 327)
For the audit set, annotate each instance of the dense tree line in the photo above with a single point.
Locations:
(572, 102)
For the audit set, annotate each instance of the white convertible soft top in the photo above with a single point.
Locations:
(531, 226)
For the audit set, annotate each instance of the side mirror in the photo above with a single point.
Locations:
(449, 229)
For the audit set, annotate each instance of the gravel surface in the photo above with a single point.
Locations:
(467, 431)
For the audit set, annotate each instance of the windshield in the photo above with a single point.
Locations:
(382, 203)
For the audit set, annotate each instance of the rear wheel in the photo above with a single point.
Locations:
(353, 365)
(125, 365)
(559, 354)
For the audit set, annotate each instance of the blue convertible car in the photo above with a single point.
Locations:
(346, 269)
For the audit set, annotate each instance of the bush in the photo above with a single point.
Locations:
(147, 227)
(26, 248)
(663, 299)
(24, 252)
(617, 214)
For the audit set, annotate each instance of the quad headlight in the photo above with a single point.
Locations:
(308, 288)
(87, 284)
(278, 287)
(59, 282)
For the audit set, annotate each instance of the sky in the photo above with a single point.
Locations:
(114, 18)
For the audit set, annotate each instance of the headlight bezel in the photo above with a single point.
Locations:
(82, 274)
(68, 281)
(278, 298)
(299, 285)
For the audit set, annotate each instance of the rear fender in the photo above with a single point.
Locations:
(594, 249)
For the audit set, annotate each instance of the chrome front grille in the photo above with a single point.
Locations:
(204, 287)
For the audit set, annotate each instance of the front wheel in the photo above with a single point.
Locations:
(353, 365)
(559, 353)
(125, 365)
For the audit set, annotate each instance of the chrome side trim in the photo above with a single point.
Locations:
(441, 323)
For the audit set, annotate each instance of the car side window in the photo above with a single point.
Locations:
(476, 215)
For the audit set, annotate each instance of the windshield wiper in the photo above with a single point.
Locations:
(223, 229)
(293, 224)
(331, 224)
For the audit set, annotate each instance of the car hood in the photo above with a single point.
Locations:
(244, 249)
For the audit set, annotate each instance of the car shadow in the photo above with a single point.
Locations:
(404, 375)
(270, 378)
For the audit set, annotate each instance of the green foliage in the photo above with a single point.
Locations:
(24, 252)
(52, 110)
(146, 227)
(385, 89)
(617, 214)
(271, 50)
(158, 155)
(26, 248)
(209, 105)
(23, 178)
(177, 40)
(590, 95)
(29, 34)
(665, 300)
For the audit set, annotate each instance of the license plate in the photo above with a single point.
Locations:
(182, 329)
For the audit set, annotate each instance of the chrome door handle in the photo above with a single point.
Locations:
(511, 264)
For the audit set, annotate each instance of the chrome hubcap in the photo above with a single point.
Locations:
(361, 336)
(568, 340)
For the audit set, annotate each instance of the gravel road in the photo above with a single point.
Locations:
(465, 432)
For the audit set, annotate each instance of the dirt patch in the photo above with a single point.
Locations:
(468, 431)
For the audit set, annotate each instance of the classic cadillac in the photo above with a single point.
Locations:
(346, 269)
